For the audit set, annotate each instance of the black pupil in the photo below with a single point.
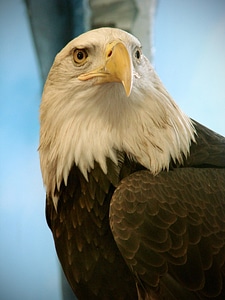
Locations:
(138, 54)
(80, 55)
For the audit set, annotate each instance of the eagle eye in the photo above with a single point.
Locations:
(79, 56)
(138, 54)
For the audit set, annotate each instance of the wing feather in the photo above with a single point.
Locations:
(172, 225)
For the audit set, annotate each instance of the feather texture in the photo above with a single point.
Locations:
(81, 125)
(135, 189)
(157, 234)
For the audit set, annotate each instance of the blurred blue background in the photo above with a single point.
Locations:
(189, 56)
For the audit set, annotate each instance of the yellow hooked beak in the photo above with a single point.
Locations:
(117, 67)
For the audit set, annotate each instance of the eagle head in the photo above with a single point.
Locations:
(102, 96)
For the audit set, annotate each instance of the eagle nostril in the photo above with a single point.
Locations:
(110, 53)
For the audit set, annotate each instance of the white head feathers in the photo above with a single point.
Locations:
(87, 120)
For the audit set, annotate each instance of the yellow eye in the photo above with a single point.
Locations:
(79, 56)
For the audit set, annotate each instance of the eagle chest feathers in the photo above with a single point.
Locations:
(125, 226)
(84, 241)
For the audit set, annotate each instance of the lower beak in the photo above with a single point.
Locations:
(117, 67)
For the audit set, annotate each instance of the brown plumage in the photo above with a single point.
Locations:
(135, 189)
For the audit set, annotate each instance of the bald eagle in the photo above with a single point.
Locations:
(135, 188)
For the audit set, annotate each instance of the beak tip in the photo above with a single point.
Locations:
(127, 88)
(128, 92)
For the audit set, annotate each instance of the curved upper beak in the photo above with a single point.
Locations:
(117, 67)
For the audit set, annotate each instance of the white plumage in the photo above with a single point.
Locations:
(88, 122)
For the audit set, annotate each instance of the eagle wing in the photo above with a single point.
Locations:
(170, 229)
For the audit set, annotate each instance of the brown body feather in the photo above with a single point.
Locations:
(170, 228)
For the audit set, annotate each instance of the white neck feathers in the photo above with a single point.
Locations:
(90, 125)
